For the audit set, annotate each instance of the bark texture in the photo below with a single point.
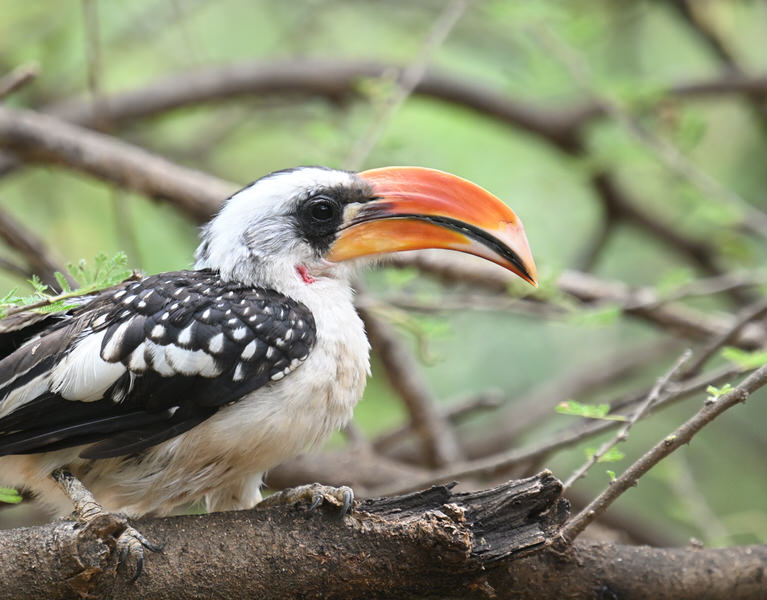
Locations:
(433, 544)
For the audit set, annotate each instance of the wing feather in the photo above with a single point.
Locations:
(143, 362)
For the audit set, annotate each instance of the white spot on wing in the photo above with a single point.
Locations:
(216, 343)
(249, 351)
(157, 332)
(239, 375)
(239, 333)
(137, 362)
(191, 362)
(185, 337)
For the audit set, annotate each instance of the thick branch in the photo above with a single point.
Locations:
(337, 79)
(36, 137)
(436, 544)
(448, 539)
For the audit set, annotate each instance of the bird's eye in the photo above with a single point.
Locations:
(319, 218)
(323, 210)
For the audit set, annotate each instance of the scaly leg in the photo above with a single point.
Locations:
(131, 542)
(315, 493)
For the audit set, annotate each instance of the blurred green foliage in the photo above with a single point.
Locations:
(635, 50)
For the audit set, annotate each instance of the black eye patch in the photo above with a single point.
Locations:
(318, 220)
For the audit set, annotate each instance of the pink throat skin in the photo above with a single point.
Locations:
(304, 273)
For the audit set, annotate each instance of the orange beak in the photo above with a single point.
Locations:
(415, 208)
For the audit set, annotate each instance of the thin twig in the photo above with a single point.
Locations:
(454, 414)
(74, 294)
(407, 82)
(40, 262)
(498, 464)
(746, 316)
(18, 270)
(640, 412)
(681, 436)
(17, 79)
(642, 303)
(585, 379)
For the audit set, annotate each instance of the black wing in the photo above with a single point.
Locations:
(143, 362)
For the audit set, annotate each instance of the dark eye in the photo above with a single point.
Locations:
(319, 218)
(323, 210)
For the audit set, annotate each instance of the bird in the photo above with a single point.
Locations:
(191, 385)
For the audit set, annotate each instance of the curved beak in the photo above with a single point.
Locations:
(414, 208)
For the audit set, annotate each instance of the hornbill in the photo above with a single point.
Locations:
(192, 384)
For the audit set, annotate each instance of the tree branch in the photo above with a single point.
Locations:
(286, 552)
(642, 303)
(496, 465)
(436, 543)
(681, 436)
(636, 415)
(36, 137)
(18, 78)
(26, 243)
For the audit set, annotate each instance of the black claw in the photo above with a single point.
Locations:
(139, 567)
(348, 500)
(152, 546)
(317, 501)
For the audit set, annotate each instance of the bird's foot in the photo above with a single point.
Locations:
(130, 542)
(315, 493)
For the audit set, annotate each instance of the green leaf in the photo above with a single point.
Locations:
(611, 475)
(743, 359)
(612, 455)
(589, 411)
(715, 392)
(62, 281)
(104, 273)
(39, 287)
(9, 496)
